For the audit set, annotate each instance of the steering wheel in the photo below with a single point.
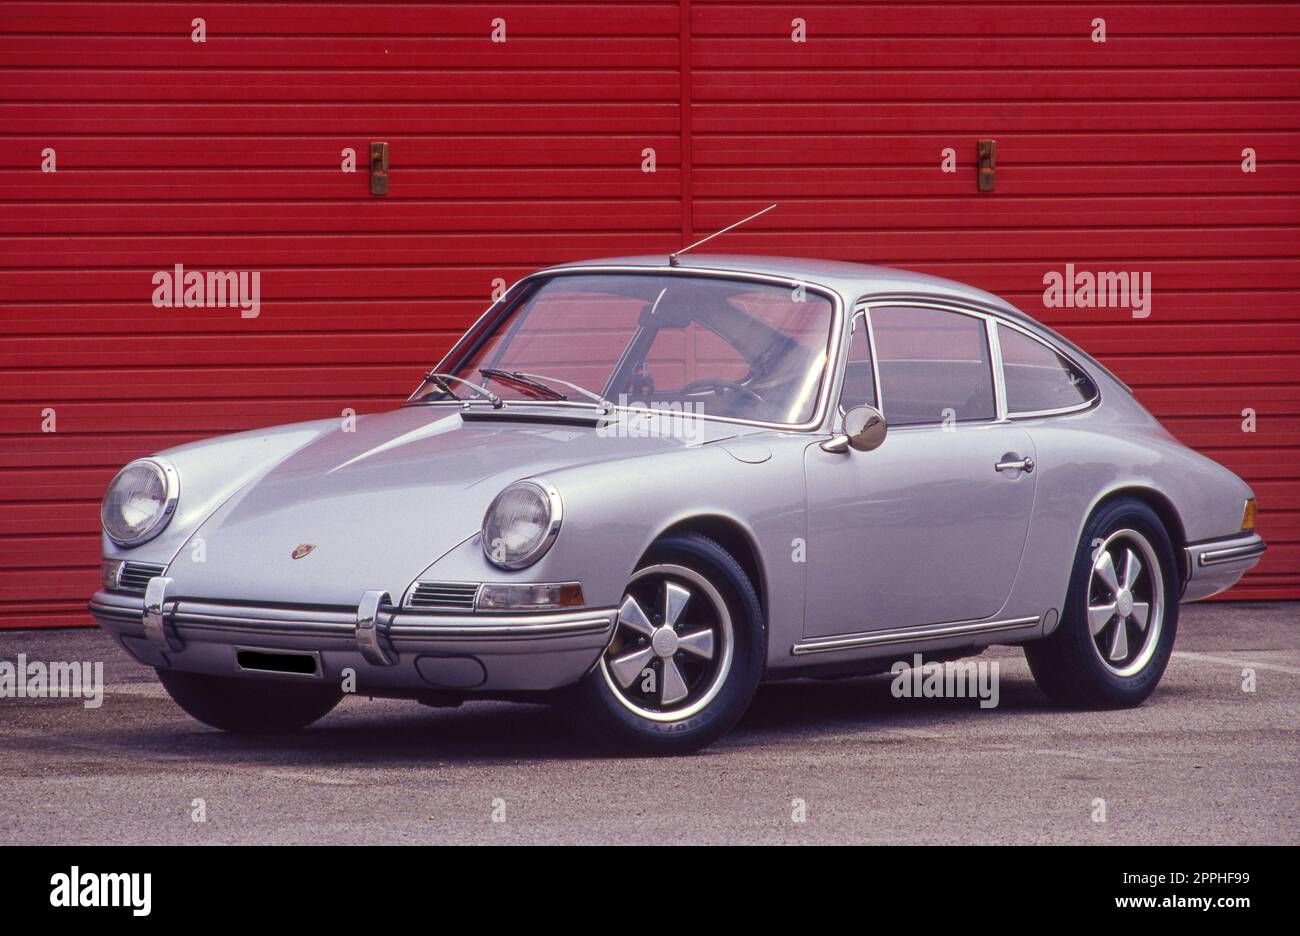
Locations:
(719, 385)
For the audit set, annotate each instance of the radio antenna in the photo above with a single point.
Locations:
(672, 257)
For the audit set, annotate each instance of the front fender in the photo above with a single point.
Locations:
(213, 470)
(614, 512)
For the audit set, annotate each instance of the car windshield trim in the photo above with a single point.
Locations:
(485, 326)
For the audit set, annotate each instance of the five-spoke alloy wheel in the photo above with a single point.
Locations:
(673, 646)
(1126, 596)
(685, 657)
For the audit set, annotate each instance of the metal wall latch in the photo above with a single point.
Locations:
(378, 168)
(988, 164)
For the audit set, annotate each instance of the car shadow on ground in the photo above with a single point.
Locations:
(406, 734)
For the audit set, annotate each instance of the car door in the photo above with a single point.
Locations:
(929, 527)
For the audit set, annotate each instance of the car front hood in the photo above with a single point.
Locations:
(379, 503)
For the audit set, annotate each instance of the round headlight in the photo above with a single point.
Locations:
(140, 501)
(520, 524)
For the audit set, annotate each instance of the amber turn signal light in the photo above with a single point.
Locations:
(1248, 515)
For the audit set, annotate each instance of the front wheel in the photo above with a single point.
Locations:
(248, 706)
(1117, 630)
(686, 656)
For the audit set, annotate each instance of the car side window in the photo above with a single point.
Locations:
(859, 380)
(1037, 378)
(934, 366)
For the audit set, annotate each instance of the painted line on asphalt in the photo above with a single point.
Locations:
(1208, 658)
(144, 690)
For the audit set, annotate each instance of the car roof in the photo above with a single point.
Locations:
(852, 280)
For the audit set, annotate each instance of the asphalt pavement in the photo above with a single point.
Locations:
(1212, 758)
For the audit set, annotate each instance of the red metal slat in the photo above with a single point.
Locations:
(1092, 148)
(607, 86)
(528, 50)
(767, 85)
(1012, 180)
(351, 217)
(186, 185)
(609, 17)
(1065, 19)
(981, 119)
(408, 151)
(231, 252)
(970, 211)
(378, 120)
(829, 49)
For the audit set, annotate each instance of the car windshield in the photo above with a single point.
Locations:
(713, 346)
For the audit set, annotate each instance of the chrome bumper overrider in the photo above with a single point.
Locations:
(380, 633)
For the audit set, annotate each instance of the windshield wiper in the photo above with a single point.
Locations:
(520, 380)
(440, 380)
(606, 407)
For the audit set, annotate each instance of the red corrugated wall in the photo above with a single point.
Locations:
(225, 155)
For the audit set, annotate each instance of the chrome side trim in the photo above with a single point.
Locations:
(216, 621)
(909, 635)
(1213, 566)
(518, 627)
(195, 616)
(116, 612)
(1232, 554)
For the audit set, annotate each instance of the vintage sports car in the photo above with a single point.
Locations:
(638, 487)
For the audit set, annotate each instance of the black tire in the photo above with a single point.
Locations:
(594, 705)
(1068, 665)
(248, 706)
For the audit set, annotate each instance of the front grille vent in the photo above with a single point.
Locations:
(455, 595)
(135, 575)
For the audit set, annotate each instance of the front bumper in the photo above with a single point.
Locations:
(391, 650)
(1215, 565)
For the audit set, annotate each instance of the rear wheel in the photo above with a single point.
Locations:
(686, 656)
(248, 706)
(1117, 630)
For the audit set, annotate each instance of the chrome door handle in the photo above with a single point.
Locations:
(1024, 464)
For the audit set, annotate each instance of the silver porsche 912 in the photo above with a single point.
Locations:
(638, 488)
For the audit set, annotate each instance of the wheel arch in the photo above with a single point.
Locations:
(1164, 509)
(732, 536)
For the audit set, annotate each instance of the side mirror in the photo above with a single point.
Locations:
(864, 430)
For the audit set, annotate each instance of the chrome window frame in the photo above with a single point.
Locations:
(995, 372)
(859, 312)
(830, 371)
(992, 319)
(1036, 414)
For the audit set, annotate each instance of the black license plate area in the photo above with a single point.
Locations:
(289, 664)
